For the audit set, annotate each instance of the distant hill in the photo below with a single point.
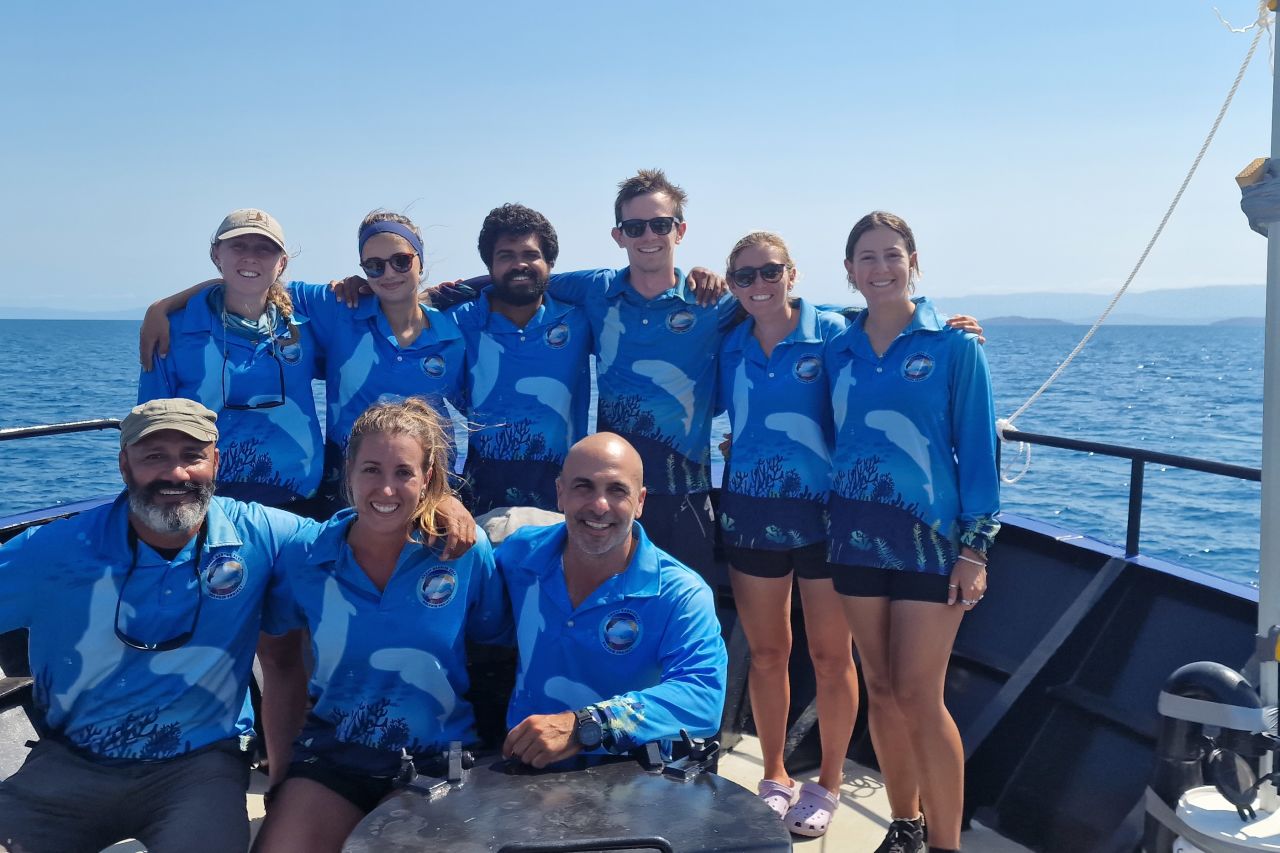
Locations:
(1241, 321)
(1014, 320)
(1192, 306)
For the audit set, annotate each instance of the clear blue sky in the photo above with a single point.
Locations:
(1033, 146)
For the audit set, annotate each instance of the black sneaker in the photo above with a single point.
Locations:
(905, 836)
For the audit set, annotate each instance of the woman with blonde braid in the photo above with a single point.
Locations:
(388, 617)
(242, 351)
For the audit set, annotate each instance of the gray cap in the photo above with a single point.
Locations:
(186, 416)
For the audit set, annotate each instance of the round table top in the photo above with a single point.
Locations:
(540, 812)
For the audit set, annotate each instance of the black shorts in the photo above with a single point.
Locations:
(893, 584)
(362, 791)
(808, 562)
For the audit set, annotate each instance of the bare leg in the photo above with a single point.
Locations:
(307, 817)
(869, 619)
(922, 635)
(831, 649)
(764, 606)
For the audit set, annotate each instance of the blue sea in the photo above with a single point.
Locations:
(1189, 390)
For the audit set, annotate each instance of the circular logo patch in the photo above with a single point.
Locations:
(681, 321)
(557, 336)
(918, 366)
(807, 368)
(433, 366)
(224, 576)
(437, 586)
(620, 631)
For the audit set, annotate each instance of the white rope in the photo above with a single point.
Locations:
(1262, 23)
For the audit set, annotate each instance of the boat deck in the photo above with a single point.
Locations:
(863, 816)
(859, 826)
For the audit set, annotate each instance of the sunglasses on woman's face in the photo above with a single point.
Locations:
(659, 225)
(746, 276)
(375, 267)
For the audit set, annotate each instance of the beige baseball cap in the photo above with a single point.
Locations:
(249, 220)
(186, 416)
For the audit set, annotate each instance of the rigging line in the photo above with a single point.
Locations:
(1263, 23)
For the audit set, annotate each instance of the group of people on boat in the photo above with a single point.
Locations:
(861, 463)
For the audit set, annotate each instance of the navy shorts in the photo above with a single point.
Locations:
(808, 562)
(684, 527)
(893, 584)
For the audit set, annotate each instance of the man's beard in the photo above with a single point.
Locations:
(508, 294)
(169, 518)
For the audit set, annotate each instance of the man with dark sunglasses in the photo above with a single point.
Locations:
(656, 349)
(655, 346)
(143, 615)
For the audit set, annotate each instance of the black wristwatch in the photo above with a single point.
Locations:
(586, 729)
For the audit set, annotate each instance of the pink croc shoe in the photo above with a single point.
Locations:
(812, 812)
(778, 796)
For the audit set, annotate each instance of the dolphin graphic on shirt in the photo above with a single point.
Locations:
(352, 375)
(741, 389)
(330, 635)
(419, 669)
(550, 393)
(484, 374)
(673, 381)
(840, 394)
(610, 336)
(529, 626)
(802, 430)
(100, 652)
(290, 419)
(209, 391)
(572, 693)
(209, 668)
(899, 429)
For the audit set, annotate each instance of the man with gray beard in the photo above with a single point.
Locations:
(143, 617)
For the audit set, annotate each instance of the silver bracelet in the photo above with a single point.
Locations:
(971, 560)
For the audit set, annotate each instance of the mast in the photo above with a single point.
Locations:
(1269, 554)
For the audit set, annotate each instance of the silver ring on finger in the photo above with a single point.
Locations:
(969, 602)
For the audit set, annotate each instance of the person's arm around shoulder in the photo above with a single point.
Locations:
(153, 334)
(489, 617)
(580, 286)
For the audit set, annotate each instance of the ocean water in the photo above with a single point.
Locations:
(1189, 390)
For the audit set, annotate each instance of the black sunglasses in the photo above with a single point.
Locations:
(173, 642)
(659, 225)
(746, 276)
(375, 267)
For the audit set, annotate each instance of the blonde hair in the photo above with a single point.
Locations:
(415, 418)
(759, 238)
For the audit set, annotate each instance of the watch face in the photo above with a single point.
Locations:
(587, 731)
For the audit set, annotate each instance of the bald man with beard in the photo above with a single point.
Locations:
(619, 642)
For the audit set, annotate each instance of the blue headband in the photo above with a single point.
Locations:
(387, 226)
